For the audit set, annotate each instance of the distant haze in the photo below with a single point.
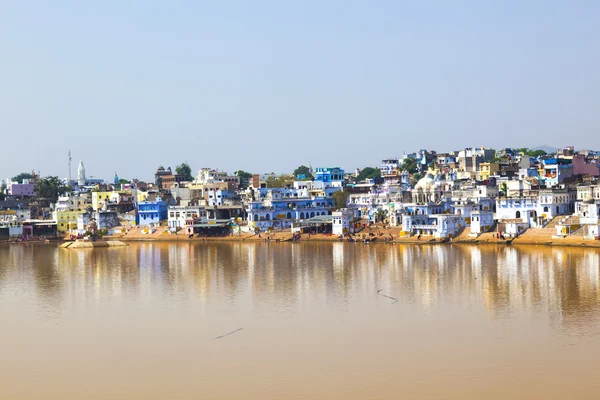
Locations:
(268, 85)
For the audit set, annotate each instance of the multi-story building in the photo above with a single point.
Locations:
(279, 208)
(151, 212)
(177, 215)
(469, 159)
(390, 170)
(66, 221)
(556, 171)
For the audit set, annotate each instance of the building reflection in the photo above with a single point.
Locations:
(508, 282)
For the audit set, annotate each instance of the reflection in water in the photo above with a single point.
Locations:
(562, 281)
(313, 294)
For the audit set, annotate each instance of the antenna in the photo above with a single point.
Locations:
(69, 167)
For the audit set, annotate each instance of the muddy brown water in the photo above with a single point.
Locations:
(299, 321)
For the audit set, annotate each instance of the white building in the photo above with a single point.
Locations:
(177, 215)
(440, 226)
(342, 222)
(481, 221)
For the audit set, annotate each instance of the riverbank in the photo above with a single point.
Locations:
(376, 234)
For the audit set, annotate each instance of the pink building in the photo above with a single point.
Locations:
(22, 189)
(580, 167)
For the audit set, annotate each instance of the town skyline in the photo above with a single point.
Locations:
(148, 175)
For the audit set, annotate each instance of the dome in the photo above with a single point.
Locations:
(425, 183)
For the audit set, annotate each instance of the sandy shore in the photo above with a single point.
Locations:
(532, 236)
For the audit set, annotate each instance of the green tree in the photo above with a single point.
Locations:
(414, 178)
(2, 196)
(280, 181)
(340, 198)
(123, 181)
(303, 170)
(244, 177)
(23, 175)
(50, 188)
(368, 173)
(537, 153)
(185, 170)
(504, 188)
(380, 215)
(410, 164)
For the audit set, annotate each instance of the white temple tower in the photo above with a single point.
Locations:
(81, 174)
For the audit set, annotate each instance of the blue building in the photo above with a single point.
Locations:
(151, 212)
(556, 170)
(278, 210)
(327, 175)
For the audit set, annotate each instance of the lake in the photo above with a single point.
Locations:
(299, 321)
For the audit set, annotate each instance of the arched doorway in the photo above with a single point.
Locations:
(557, 210)
(289, 215)
(301, 215)
(518, 214)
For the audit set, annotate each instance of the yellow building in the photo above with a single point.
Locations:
(487, 169)
(99, 199)
(66, 220)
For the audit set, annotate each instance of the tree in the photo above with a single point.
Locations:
(410, 165)
(537, 153)
(303, 170)
(414, 178)
(380, 215)
(280, 181)
(50, 188)
(340, 198)
(368, 173)
(504, 188)
(244, 177)
(23, 175)
(2, 196)
(123, 181)
(185, 170)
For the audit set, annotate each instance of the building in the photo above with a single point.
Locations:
(481, 221)
(488, 169)
(66, 221)
(103, 220)
(159, 174)
(178, 215)
(280, 207)
(440, 226)
(151, 212)
(170, 181)
(469, 159)
(25, 189)
(557, 171)
(343, 222)
(390, 171)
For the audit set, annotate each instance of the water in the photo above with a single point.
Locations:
(140, 322)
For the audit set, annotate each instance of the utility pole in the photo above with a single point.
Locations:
(69, 167)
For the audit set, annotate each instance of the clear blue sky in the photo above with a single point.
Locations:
(266, 86)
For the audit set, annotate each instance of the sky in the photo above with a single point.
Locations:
(266, 86)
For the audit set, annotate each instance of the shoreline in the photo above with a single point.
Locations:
(531, 237)
(280, 237)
